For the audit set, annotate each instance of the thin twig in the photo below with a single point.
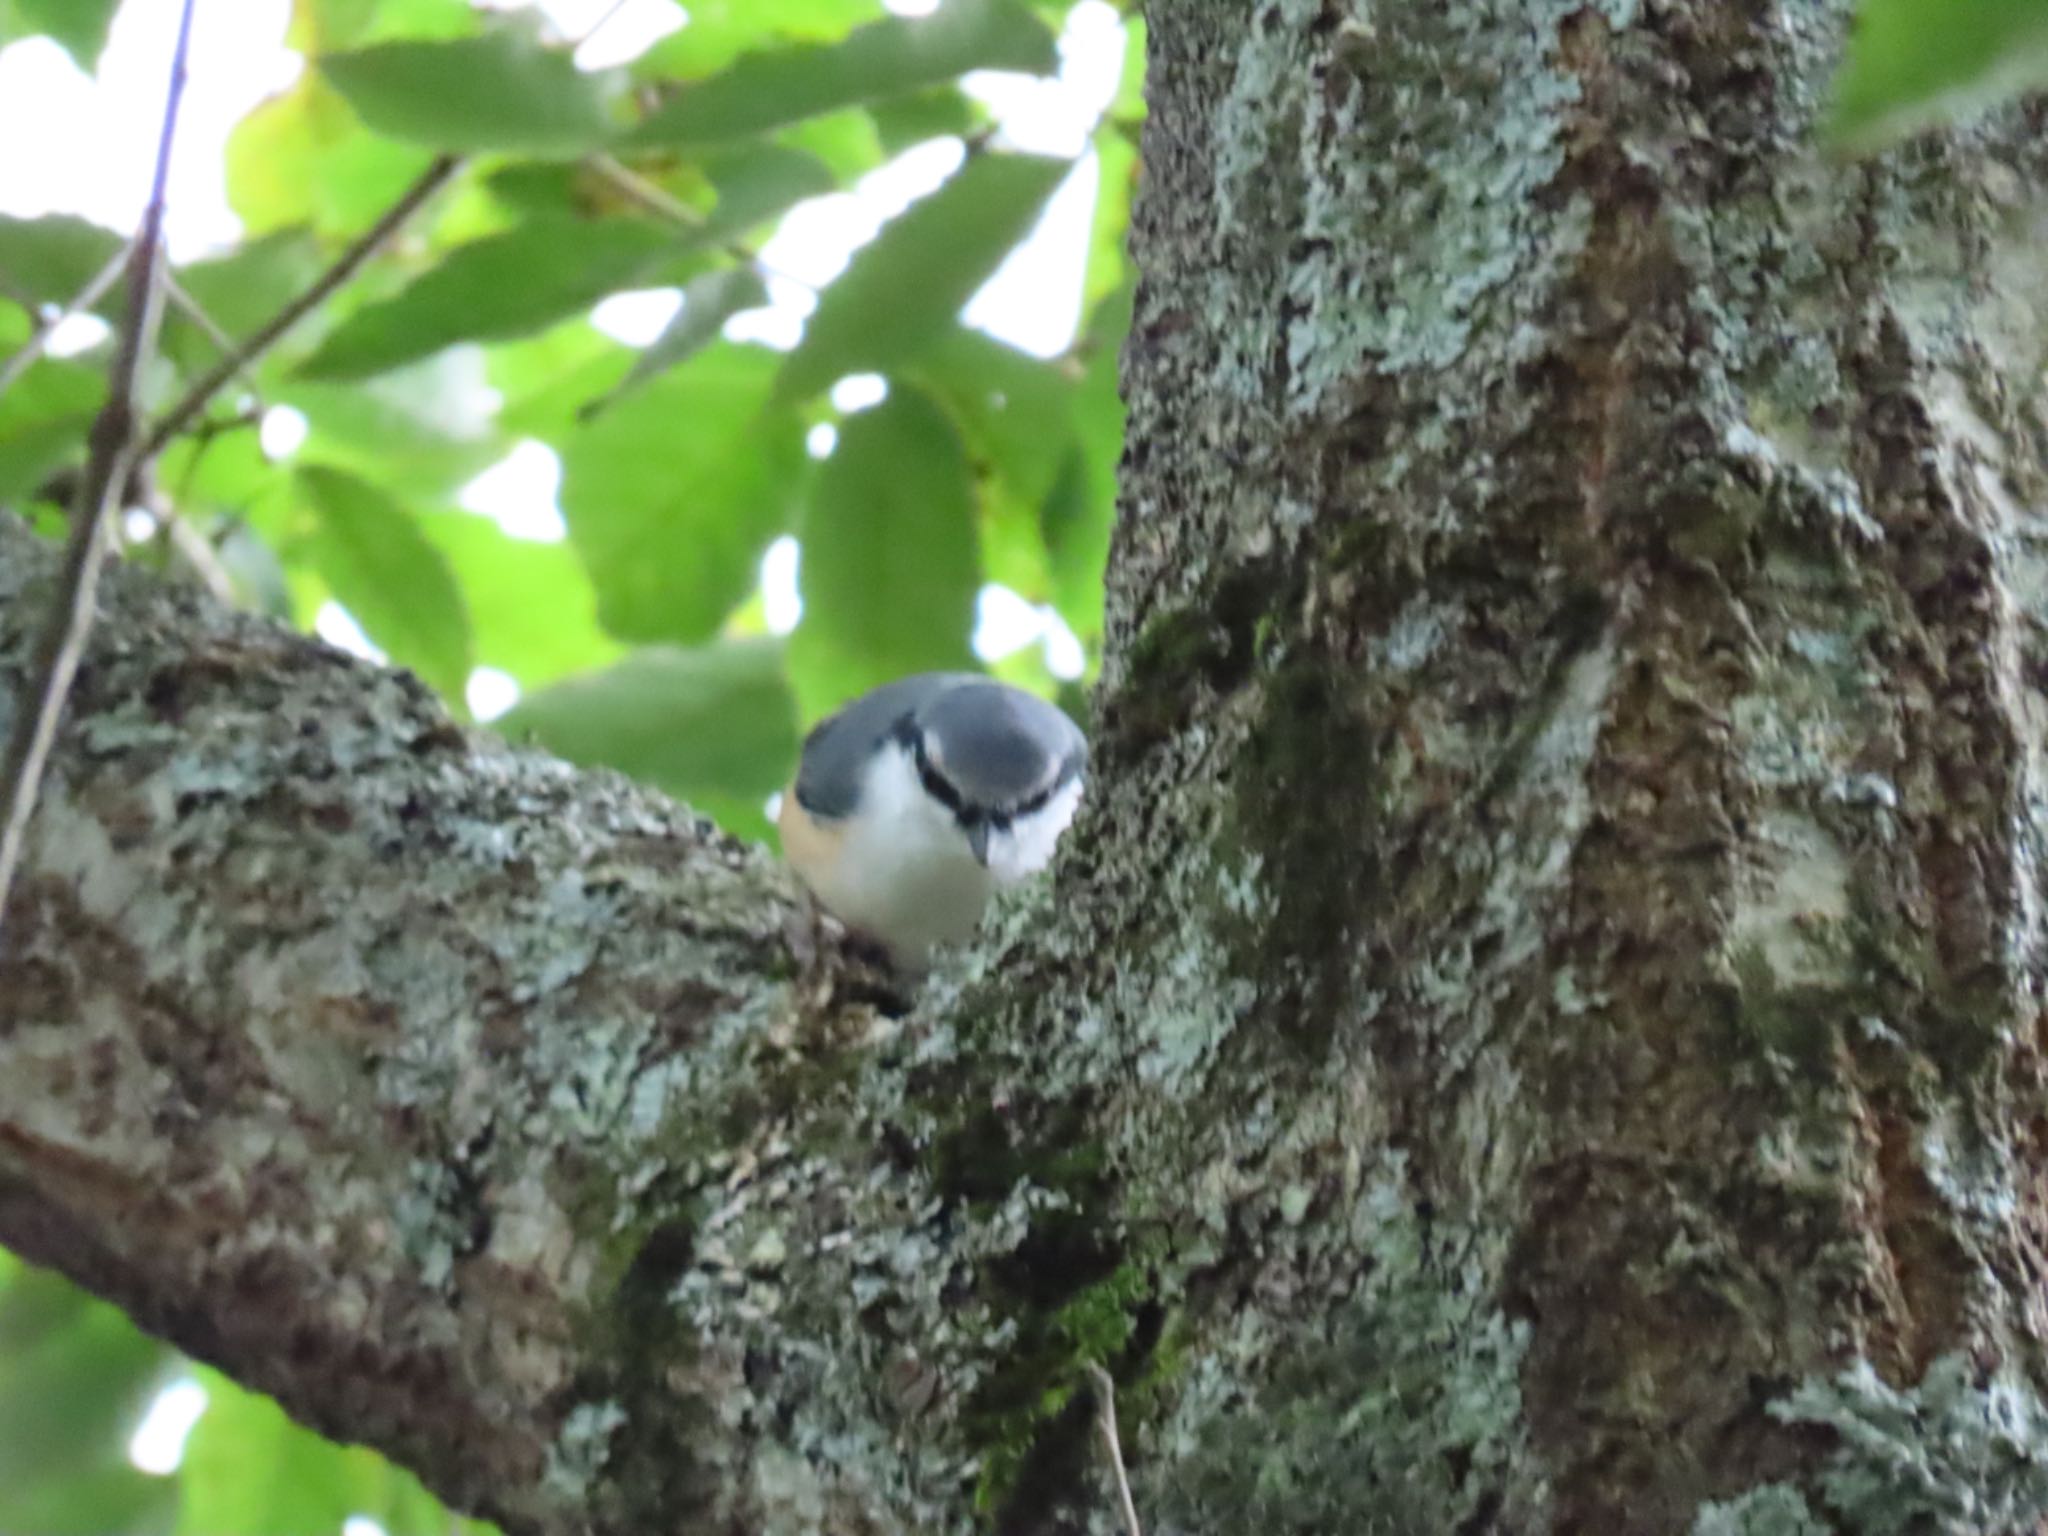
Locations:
(112, 456)
(1105, 1402)
(47, 322)
(193, 310)
(657, 201)
(181, 415)
(603, 21)
(197, 554)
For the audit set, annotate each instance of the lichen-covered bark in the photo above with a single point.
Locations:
(1573, 767)
(1538, 1028)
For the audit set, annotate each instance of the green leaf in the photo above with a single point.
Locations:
(75, 1379)
(112, 1499)
(547, 380)
(80, 25)
(500, 91)
(250, 1471)
(428, 427)
(714, 725)
(708, 302)
(510, 284)
(776, 87)
(531, 607)
(671, 497)
(890, 568)
(721, 30)
(325, 26)
(1017, 416)
(758, 183)
(380, 567)
(944, 110)
(51, 259)
(239, 292)
(1912, 63)
(44, 418)
(904, 287)
(1017, 411)
(302, 158)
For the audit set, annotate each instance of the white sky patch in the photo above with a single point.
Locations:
(1006, 622)
(1033, 300)
(637, 317)
(780, 322)
(138, 524)
(1065, 657)
(75, 334)
(362, 1525)
(819, 235)
(521, 493)
(910, 7)
(96, 138)
(158, 1444)
(637, 26)
(338, 627)
(781, 603)
(821, 440)
(1003, 622)
(490, 692)
(282, 432)
(858, 391)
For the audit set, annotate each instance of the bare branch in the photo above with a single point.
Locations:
(1105, 1402)
(194, 311)
(47, 322)
(181, 415)
(113, 456)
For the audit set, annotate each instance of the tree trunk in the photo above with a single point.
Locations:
(1538, 1029)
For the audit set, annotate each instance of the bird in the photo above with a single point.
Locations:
(913, 803)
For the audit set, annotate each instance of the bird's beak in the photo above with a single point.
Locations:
(977, 839)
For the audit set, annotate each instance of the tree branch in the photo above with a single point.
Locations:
(47, 322)
(266, 336)
(470, 1073)
(113, 456)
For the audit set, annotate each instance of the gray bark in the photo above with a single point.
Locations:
(1538, 1028)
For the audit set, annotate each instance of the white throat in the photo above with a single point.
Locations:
(907, 872)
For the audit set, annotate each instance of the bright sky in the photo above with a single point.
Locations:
(104, 129)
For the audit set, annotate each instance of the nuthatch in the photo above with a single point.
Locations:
(915, 801)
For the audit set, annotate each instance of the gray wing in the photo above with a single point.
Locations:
(836, 752)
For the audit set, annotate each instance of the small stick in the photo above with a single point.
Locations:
(1105, 1401)
(46, 324)
(112, 457)
(181, 415)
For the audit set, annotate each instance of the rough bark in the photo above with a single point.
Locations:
(1539, 1027)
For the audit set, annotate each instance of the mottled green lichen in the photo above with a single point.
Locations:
(1402, 1416)
(1772, 1510)
(1962, 1453)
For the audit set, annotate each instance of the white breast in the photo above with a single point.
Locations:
(1026, 845)
(905, 873)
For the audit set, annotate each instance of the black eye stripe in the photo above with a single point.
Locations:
(906, 734)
